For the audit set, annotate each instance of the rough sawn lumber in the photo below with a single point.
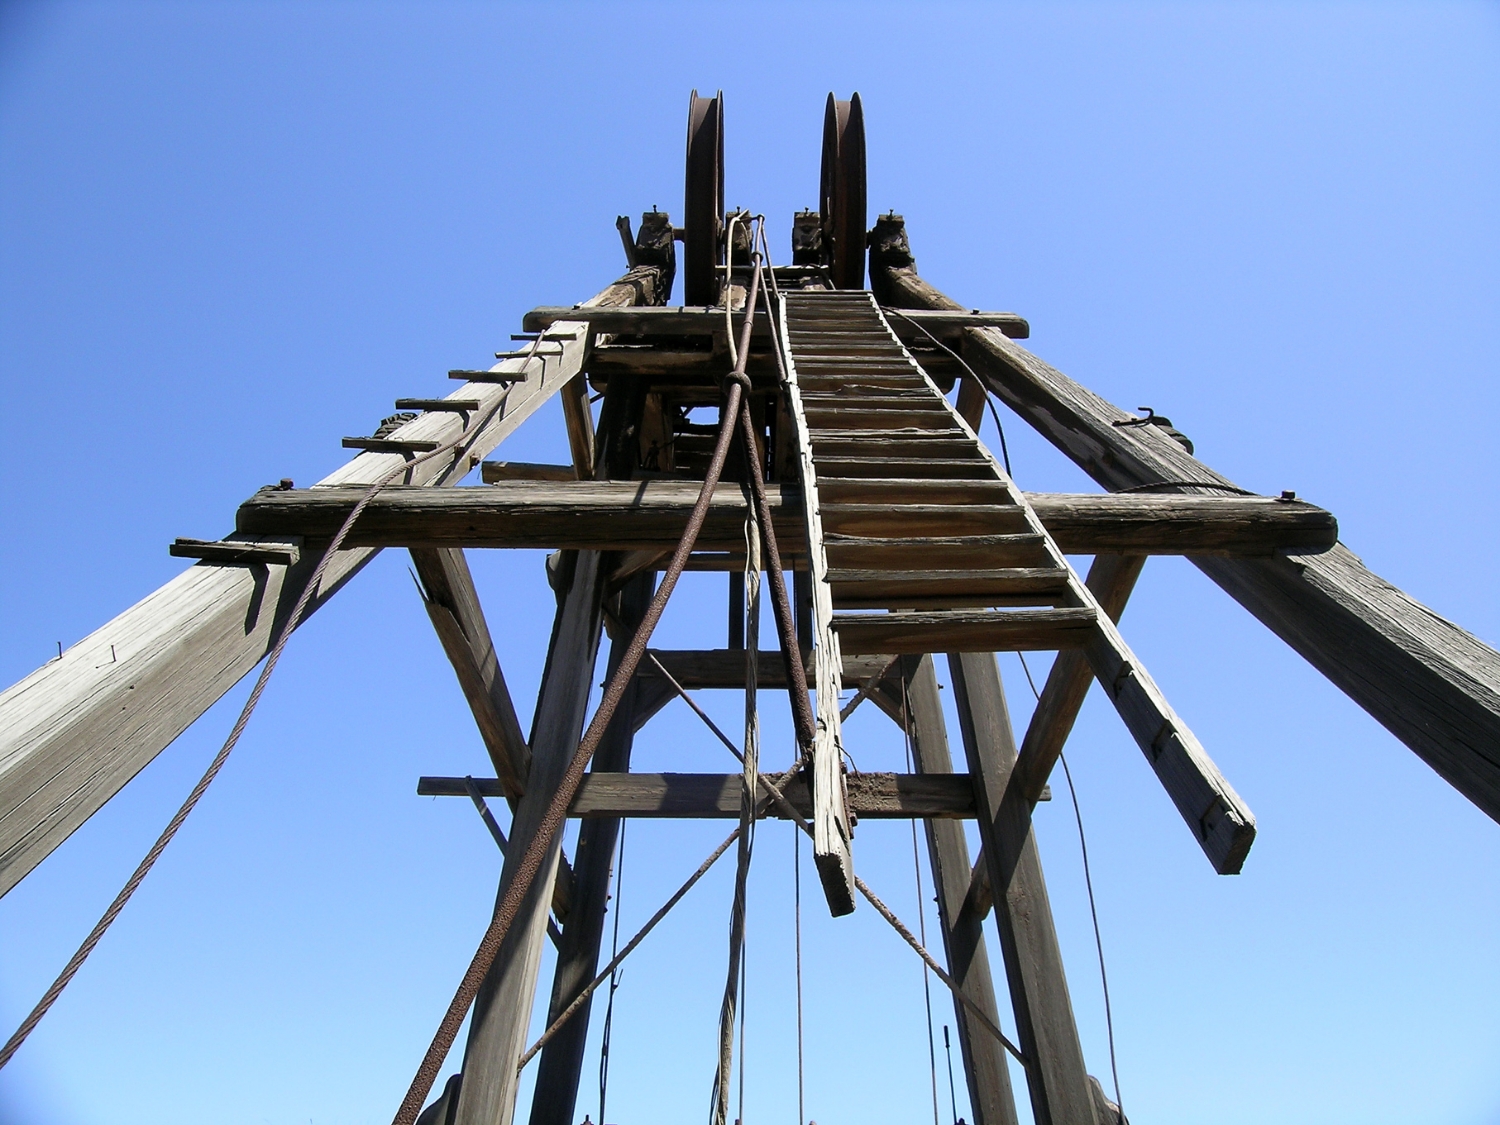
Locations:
(77, 729)
(1430, 683)
(630, 515)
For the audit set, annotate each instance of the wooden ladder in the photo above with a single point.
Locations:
(919, 542)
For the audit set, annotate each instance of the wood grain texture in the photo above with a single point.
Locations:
(558, 1070)
(832, 829)
(1048, 1034)
(78, 729)
(631, 515)
(691, 320)
(715, 796)
(965, 631)
(1430, 683)
(1111, 579)
(986, 1067)
(452, 603)
(502, 1008)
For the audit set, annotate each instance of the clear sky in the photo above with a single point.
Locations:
(231, 233)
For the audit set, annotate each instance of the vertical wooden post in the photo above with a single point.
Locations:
(502, 1010)
(985, 1067)
(575, 404)
(1038, 986)
(561, 1060)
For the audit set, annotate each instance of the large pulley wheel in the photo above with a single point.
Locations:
(703, 205)
(842, 192)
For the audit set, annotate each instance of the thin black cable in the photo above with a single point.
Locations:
(1004, 452)
(614, 976)
(273, 657)
(916, 866)
(797, 917)
(1088, 882)
(952, 1094)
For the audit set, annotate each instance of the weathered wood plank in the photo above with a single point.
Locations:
(1430, 683)
(832, 830)
(491, 472)
(629, 515)
(965, 631)
(78, 729)
(1111, 579)
(502, 1008)
(452, 603)
(725, 668)
(558, 1069)
(1043, 1011)
(690, 320)
(877, 796)
(986, 1068)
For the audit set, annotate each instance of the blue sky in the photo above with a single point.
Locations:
(232, 233)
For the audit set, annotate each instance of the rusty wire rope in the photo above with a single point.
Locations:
(478, 422)
(538, 847)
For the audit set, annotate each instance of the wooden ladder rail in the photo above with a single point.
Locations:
(831, 828)
(1220, 820)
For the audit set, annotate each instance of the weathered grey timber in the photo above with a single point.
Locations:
(77, 729)
(1111, 578)
(1043, 1012)
(688, 320)
(1433, 685)
(502, 1009)
(986, 1067)
(453, 605)
(561, 1062)
(725, 667)
(873, 796)
(631, 515)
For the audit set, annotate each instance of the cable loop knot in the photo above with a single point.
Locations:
(739, 378)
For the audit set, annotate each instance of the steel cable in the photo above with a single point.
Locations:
(13, 1044)
(540, 844)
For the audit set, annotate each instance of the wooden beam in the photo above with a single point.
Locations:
(580, 425)
(693, 375)
(715, 796)
(453, 605)
(1045, 1027)
(832, 828)
(690, 320)
(558, 1070)
(725, 668)
(75, 731)
(502, 1009)
(638, 515)
(1111, 578)
(965, 631)
(986, 1068)
(1430, 683)
(492, 472)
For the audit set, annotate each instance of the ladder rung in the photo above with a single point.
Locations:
(936, 552)
(438, 404)
(389, 445)
(505, 378)
(233, 551)
(906, 521)
(964, 631)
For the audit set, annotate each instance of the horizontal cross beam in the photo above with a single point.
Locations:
(696, 320)
(877, 796)
(638, 515)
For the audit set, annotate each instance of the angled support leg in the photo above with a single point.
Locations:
(1038, 986)
(985, 1065)
(578, 954)
(453, 605)
(502, 1009)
